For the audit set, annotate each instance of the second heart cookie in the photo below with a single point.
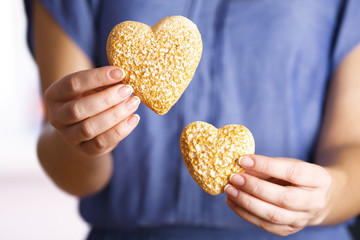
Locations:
(159, 61)
(210, 154)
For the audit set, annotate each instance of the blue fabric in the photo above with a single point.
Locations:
(196, 233)
(265, 65)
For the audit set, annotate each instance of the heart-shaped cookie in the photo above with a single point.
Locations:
(210, 154)
(159, 61)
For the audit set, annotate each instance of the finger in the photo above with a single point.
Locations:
(294, 171)
(292, 198)
(78, 83)
(90, 105)
(91, 127)
(108, 140)
(258, 175)
(281, 230)
(265, 210)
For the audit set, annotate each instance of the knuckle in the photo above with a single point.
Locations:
(299, 224)
(257, 188)
(276, 217)
(248, 203)
(293, 172)
(267, 226)
(99, 77)
(100, 143)
(287, 198)
(107, 100)
(53, 121)
(47, 95)
(117, 116)
(264, 166)
(72, 83)
(75, 111)
(87, 129)
(119, 132)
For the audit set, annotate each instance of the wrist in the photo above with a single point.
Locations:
(70, 169)
(331, 214)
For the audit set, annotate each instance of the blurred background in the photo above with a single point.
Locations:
(31, 207)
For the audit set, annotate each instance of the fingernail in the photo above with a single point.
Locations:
(133, 120)
(133, 102)
(246, 162)
(125, 91)
(231, 191)
(237, 179)
(117, 73)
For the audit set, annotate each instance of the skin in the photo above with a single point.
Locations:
(283, 195)
(87, 117)
(88, 112)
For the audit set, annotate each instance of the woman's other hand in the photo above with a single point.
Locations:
(279, 195)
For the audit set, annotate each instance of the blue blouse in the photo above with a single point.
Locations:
(265, 65)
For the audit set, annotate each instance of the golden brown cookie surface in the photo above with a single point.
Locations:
(210, 154)
(159, 61)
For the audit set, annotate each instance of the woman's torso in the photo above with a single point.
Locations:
(265, 65)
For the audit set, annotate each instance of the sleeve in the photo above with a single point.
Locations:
(348, 33)
(76, 18)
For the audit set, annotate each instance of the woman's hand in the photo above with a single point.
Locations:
(279, 195)
(92, 110)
